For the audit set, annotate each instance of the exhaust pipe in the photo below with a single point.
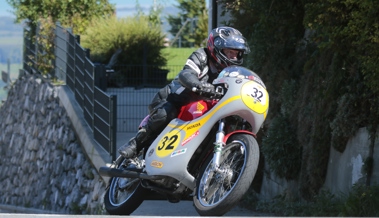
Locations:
(114, 172)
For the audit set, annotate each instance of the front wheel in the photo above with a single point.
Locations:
(124, 195)
(219, 191)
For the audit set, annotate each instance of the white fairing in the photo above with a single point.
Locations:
(170, 153)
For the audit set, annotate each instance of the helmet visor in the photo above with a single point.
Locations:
(234, 42)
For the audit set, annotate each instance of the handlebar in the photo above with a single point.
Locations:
(217, 94)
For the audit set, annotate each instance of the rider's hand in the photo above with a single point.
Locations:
(206, 87)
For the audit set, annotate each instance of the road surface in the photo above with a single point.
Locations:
(150, 208)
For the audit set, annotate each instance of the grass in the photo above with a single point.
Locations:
(14, 68)
(11, 40)
(176, 58)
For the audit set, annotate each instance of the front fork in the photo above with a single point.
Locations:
(218, 146)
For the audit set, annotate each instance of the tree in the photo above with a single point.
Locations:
(190, 26)
(71, 13)
(43, 14)
(324, 56)
(155, 15)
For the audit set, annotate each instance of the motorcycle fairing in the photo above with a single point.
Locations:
(254, 90)
(173, 148)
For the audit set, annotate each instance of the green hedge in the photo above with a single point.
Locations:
(140, 41)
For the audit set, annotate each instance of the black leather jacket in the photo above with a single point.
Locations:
(198, 68)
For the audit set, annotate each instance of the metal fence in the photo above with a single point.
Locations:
(29, 54)
(135, 93)
(113, 102)
(73, 66)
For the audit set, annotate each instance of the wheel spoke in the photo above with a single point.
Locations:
(213, 188)
(219, 190)
(121, 189)
(217, 185)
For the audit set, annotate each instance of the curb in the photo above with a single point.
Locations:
(97, 155)
(18, 209)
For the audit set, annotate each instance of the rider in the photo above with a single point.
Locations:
(225, 47)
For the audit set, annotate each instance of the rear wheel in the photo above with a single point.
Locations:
(124, 195)
(219, 191)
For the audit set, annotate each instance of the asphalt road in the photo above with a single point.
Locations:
(151, 208)
(183, 208)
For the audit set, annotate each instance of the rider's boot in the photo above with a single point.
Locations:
(136, 144)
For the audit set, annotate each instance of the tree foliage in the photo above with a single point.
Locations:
(191, 24)
(352, 29)
(131, 34)
(42, 15)
(75, 14)
(329, 50)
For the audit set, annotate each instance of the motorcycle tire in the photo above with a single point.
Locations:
(124, 195)
(218, 192)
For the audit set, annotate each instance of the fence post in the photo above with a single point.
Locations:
(35, 65)
(9, 72)
(100, 78)
(113, 126)
(144, 66)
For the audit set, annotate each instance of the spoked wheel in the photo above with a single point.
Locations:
(124, 195)
(218, 191)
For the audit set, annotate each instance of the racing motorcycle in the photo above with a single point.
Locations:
(208, 153)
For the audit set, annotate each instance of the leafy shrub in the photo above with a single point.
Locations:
(141, 42)
(324, 204)
(362, 201)
(281, 148)
(330, 48)
(45, 52)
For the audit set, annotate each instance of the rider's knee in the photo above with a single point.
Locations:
(162, 116)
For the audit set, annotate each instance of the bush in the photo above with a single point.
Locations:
(140, 41)
(362, 201)
(281, 148)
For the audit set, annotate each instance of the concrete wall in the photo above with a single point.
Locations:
(272, 186)
(344, 170)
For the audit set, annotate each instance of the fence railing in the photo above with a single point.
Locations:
(112, 102)
(135, 92)
(29, 54)
(73, 66)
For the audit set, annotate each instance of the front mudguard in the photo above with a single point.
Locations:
(238, 132)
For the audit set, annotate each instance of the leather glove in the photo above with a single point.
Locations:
(206, 87)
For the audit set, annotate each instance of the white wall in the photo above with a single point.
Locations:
(344, 170)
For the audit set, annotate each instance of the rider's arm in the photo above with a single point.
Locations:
(195, 68)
